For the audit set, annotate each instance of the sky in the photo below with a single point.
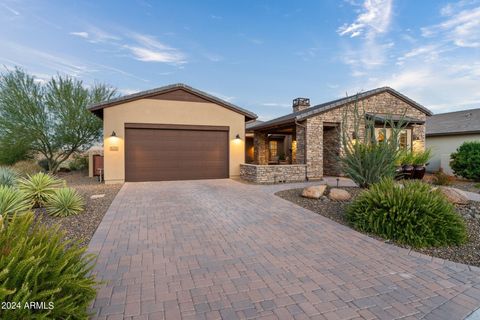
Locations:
(257, 54)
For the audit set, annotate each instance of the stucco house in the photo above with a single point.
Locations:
(174, 132)
(306, 143)
(446, 132)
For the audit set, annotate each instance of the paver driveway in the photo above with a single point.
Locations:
(222, 249)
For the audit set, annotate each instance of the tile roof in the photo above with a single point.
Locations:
(457, 122)
(152, 92)
(320, 108)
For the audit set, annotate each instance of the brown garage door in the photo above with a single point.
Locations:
(164, 152)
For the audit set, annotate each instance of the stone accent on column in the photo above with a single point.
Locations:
(314, 143)
(300, 143)
(260, 143)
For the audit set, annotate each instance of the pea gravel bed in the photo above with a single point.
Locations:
(468, 253)
(82, 226)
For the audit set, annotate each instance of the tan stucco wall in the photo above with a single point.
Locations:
(442, 147)
(167, 112)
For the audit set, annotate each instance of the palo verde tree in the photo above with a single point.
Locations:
(50, 118)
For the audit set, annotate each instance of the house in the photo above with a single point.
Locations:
(446, 132)
(311, 135)
(174, 132)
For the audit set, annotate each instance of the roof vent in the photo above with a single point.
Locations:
(300, 104)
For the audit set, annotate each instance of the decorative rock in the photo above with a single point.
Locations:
(97, 196)
(339, 195)
(314, 192)
(454, 195)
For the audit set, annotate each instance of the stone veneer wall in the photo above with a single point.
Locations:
(384, 103)
(331, 151)
(272, 174)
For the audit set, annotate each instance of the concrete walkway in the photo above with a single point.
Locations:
(217, 249)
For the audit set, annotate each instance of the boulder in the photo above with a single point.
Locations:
(339, 195)
(454, 195)
(314, 192)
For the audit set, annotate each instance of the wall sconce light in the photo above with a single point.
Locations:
(354, 135)
(237, 136)
(113, 134)
(416, 137)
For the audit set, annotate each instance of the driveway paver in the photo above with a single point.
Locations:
(215, 249)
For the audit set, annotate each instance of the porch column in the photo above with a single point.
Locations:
(260, 152)
(314, 148)
(299, 146)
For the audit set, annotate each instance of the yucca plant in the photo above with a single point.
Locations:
(64, 202)
(38, 264)
(39, 187)
(13, 202)
(410, 213)
(8, 176)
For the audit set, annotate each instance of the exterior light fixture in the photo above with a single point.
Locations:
(354, 135)
(416, 137)
(237, 136)
(113, 134)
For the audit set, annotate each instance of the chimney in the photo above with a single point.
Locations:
(300, 104)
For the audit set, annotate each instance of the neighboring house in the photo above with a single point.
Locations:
(312, 135)
(174, 132)
(446, 132)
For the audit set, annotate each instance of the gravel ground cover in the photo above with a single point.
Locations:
(82, 226)
(468, 253)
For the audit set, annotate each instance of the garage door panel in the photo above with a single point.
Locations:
(169, 154)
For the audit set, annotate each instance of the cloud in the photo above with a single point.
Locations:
(11, 10)
(81, 34)
(460, 27)
(149, 49)
(276, 104)
(374, 19)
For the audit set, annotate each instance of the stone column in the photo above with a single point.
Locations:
(299, 148)
(314, 148)
(260, 153)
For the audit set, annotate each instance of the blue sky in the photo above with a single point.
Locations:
(256, 54)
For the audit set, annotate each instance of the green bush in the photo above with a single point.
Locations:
(64, 202)
(38, 264)
(12, 151)
(12, 202)
(39, 187)
(466, 161)
(78, 163)
(27, 168)
(8, 177)
(411, 213)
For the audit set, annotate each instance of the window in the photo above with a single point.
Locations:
(404, 138)
(273, 148)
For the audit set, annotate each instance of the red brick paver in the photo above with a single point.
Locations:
(220, 249)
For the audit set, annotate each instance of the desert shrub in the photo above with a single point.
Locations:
(13, 149)
(442, 179)
(39, 187)
(27, 168)
(12, 202)
(411, 213)
(8, 176)
(466, 160)
(78, 163)
(38, 264)
(64, 202)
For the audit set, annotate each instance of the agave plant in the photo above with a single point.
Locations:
(39, 187)
(8, 176)
(64, 202)
(12, 202)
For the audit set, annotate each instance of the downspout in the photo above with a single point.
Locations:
(304, 145)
